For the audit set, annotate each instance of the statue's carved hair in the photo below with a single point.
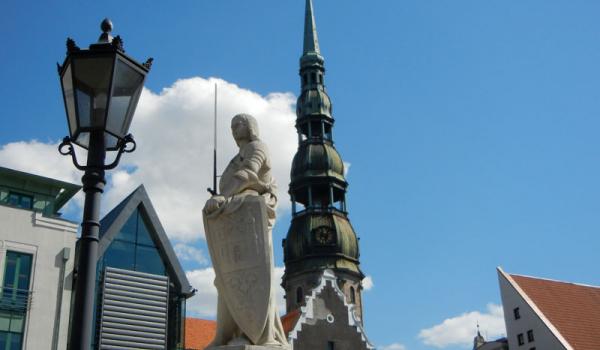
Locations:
(251, 123)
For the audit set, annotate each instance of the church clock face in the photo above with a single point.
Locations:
(324, 235)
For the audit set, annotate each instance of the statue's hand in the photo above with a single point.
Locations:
(213, 204)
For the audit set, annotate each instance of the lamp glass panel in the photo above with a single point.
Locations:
(69, 93)
(83, 139)
(110, 141)
(84, 108)
(92, 82)
(127, 85)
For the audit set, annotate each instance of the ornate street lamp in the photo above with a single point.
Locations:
(101, 87)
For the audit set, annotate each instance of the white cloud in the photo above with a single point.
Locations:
(186, 252)
(394, 346)
(204, 303)
(460, 330)
(174, 133)
(39, 158)
(42, 159)
(367, 283)
(346, 168)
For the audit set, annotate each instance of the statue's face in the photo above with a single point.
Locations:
(239, 129)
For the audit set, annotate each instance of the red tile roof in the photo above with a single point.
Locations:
(199, 333)
(573, 309)
(289, 321)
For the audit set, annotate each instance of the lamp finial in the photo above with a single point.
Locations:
(106, 27)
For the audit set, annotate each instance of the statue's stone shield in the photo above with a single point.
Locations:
(241, 254)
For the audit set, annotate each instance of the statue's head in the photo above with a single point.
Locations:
(244, 127)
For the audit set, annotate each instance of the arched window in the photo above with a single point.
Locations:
(352, 295)
(299, 295)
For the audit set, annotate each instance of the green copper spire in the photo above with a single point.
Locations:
(320, 235)
(311, 42)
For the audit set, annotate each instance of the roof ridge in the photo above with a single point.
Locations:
(555, 280)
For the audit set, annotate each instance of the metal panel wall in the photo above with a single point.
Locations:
(134, 310)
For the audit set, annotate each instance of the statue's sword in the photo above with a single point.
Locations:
(213, 191)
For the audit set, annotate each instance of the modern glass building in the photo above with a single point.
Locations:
(36, 264)
(141, 287)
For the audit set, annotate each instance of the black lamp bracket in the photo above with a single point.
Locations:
(125, 145)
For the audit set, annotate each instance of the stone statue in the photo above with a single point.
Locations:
(238, 225)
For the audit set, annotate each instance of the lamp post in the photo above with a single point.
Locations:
(101, 87)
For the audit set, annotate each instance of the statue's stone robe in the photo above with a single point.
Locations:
(248, 174)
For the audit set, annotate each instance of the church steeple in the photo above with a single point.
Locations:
(479, 340)
(320, 236)
(311, 41)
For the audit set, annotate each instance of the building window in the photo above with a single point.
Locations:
(520, 339)
(14, 299)
(11, 330)
(20, 200)
(352, 295)
(530, 336)
(517, 313)
(330, 345)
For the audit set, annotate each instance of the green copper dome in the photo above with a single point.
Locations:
(317, 160)
(314, 101)
(330, 243)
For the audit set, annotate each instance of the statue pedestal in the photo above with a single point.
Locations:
(250, 347)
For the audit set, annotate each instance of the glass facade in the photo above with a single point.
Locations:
(14, 299)
(133, 248)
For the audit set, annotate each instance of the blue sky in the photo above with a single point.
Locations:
(471, 128)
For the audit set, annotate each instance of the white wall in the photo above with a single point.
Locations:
(511, 299)
(45, 238)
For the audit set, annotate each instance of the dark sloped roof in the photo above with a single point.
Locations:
(116, 218)
(573, 309)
